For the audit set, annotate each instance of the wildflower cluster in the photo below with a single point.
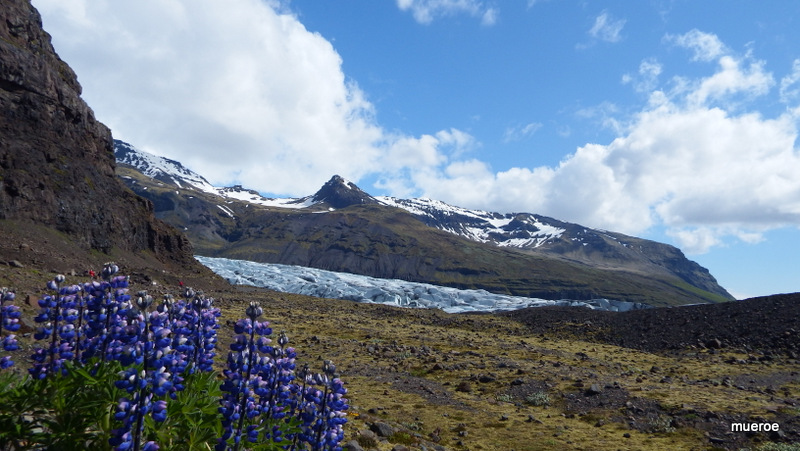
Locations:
(9, 320)
(263, 404)
(57, 319)
(152, 352)
(322, 408)
(100, 320)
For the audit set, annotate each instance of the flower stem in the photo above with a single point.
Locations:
(244, 382)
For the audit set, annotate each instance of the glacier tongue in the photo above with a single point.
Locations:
(353, 287)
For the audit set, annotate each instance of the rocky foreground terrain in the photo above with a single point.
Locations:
(545, 378)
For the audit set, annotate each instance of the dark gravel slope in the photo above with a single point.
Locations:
(770, 323)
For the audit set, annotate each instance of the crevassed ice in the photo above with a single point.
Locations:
(353, 287)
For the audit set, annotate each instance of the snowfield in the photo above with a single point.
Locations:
(401, 293)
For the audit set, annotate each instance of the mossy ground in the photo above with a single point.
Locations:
(462, 381)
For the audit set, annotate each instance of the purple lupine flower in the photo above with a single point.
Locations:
(260, 393)
(160, 411)
(9, 320)
(322, 412)
(121, 438)
(205, 334)
(238, 400)
(130, 412)
(57, 316)
(109, 269)
(135, 346)
(106, 314)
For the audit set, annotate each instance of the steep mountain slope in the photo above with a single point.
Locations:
(57, 161)
(542, 235)
(342, 228)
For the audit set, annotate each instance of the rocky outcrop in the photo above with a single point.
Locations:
(57, 160)
(340, 193)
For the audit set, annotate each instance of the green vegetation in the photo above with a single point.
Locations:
(538, 399)
(114, 370)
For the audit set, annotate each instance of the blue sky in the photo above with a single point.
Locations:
(671, 120)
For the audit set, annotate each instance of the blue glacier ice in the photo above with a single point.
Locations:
(401, 293)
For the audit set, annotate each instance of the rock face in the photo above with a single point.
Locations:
(340, 193)
(57, 161)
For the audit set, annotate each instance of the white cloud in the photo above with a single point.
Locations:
(647, 78)
(518, 133)
(684, 162)
(607, 28)
(731, 80)
(238, 91)
(426, 151)
(425, 11)
(706, 46)
(489, 17)
(696, 241)
(789, 91)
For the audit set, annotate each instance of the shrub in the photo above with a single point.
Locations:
(662, 424)
(504, 397)
(539, 398)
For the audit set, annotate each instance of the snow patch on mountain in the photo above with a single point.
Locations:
(237, 192)
(507, 230)
(160, 168)
(171, 171)
(226, 210)
(400, 293)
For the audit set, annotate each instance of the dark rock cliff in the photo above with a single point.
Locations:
(56, 161)
(340, 193)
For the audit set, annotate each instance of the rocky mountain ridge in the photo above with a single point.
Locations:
(417, 239)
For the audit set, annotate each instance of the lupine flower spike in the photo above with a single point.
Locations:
(9, 320)
(57, 317)
(158, 346)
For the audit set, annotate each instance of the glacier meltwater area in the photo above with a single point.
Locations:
(401, 293)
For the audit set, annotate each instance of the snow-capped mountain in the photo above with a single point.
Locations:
(509, 229)
(343, 228)
(160, 168)
(174, 173)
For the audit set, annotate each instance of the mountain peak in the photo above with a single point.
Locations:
(339, 192)
(162, 169)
